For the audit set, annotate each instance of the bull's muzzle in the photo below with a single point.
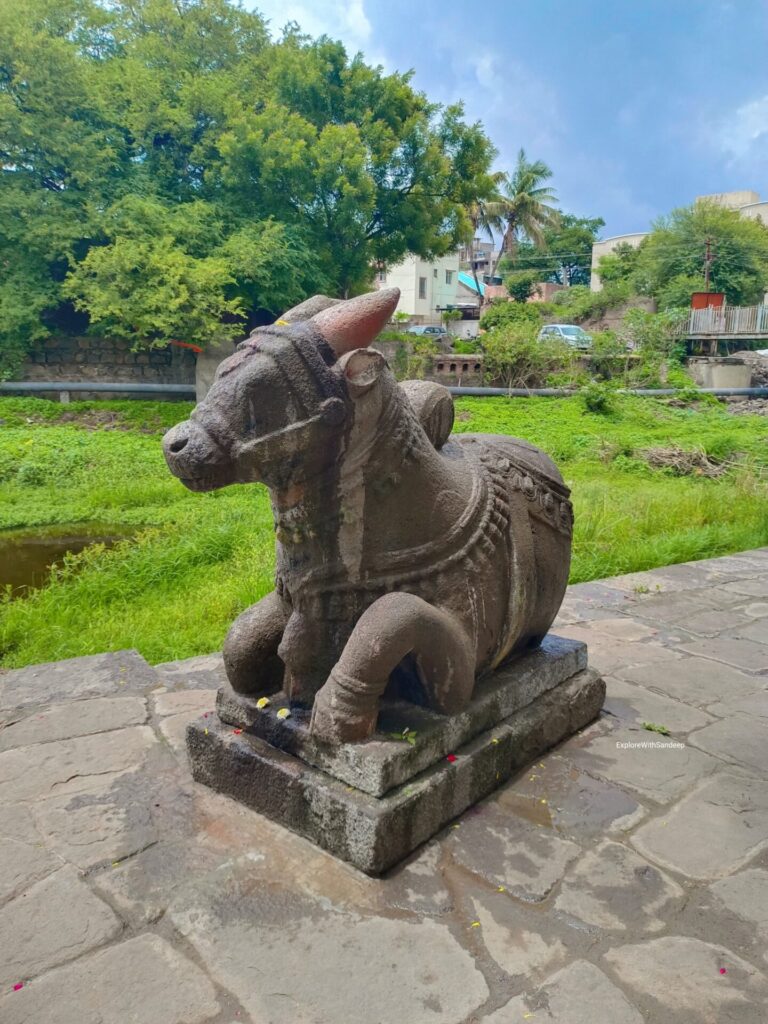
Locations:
(194, 457)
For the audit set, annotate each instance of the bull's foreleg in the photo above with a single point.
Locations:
(250, 650)
(396, 625)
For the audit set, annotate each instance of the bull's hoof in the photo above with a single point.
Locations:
(334, 721)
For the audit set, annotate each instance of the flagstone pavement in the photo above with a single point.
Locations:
(622, 879)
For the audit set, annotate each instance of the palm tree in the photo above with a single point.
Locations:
(528, 208)
(487, 213)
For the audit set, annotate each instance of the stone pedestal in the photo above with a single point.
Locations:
(373, 803)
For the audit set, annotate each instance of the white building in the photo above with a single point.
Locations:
(426, 288)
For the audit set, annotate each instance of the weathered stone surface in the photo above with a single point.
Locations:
(757, 609)
(736, 741)
(55, 920)
(746, 895)
(521, 940)
(16, 822)
(184, 702)
(68, 766)
(96, 675)
(624, 629)
(507, 851)
(288, 958)
(656, 766)
(711, 832)
(578, 994)
(680, 979)
(712, 623)
(142, 886)
(557, 795)
(141, 981)
(741, 654)
(612, 888)
(78, 718)
(110, 820)
(372, 833)
(634, 705)
(173, 728)
(756, 630)
(206, 672)
(381, 763)
(757, 587)
(21, 864)
(752, 705)
(696, 681)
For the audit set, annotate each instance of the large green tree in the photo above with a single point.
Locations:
(168, 171)
(564, 255)
(669, 265)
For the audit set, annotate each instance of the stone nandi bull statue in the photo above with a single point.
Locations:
(407, 561)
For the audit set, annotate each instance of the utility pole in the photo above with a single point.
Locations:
(707, 263)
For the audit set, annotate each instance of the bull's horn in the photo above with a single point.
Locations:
(355, 323)
(308, 308)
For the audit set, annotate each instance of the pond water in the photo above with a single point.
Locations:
(26, 556)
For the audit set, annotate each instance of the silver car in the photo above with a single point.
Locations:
(571, 334)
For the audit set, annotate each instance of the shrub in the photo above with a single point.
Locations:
(501, 313)
(597, 397)
(521, 285)
(514, 357)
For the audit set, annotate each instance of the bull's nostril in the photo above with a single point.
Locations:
(178, 446)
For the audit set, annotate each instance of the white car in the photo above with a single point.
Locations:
(571, 334)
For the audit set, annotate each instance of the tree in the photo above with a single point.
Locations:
(522, 284)
(486, 214)
(527, 204)
(167, 170)
(671, 259)
(564, 255)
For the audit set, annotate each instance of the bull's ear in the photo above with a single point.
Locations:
(355, 323)
(361, 369)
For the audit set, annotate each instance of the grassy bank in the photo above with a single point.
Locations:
(172, 590)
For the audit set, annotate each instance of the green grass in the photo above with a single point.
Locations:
(173, 589)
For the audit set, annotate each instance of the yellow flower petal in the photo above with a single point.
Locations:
(284, 713)
(263, 702)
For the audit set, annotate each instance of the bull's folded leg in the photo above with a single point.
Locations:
(396, 625)
(250, 650)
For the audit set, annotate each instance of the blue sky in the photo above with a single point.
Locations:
(637, 105)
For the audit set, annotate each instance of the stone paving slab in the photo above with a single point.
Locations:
(691, 981)
(713, 831)
(55, 920)
(97, 675)
(579, 994)
(602, 884)
(144, 980)
(65, 721)
(695, 680)
(281, 955)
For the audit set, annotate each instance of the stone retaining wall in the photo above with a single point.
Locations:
(107, 359)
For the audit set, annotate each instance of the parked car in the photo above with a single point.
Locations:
(429, 330)
(571, 334)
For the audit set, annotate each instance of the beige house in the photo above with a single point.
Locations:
(426, 288)
(747, 202)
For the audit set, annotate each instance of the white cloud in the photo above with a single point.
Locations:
(346, 21)
(745, 127)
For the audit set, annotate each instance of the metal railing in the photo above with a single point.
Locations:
(727, 320)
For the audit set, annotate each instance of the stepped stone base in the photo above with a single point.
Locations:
(375, 830)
